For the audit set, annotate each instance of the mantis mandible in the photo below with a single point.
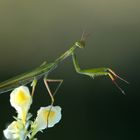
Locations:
(46, 68)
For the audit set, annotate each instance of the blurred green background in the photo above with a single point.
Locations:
(37, 30)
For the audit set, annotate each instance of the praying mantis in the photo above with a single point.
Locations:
(46, 68)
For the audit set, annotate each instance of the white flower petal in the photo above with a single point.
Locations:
(20, 97)
(21, 100)
(47, 117)
(12, 131)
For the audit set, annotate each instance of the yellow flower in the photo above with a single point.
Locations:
(13, 130)
(47, 117)
(21, 100)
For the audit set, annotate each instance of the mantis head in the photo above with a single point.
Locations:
(81, 43)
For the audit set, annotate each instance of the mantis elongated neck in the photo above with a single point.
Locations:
(66, 54)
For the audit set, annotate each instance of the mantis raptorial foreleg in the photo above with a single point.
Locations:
(98, 72)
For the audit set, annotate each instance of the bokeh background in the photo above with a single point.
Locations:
(38, 30)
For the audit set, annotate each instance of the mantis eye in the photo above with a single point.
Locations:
(80, 44)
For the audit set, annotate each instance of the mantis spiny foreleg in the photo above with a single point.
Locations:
(98, 72)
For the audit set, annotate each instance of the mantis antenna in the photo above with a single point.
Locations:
(84, 36)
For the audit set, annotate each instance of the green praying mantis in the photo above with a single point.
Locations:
(46, 68)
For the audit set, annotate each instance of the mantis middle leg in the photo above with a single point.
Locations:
(46, 81)
(51, 94)
(33, 85)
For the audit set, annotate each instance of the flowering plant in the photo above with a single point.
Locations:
(23, 127)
